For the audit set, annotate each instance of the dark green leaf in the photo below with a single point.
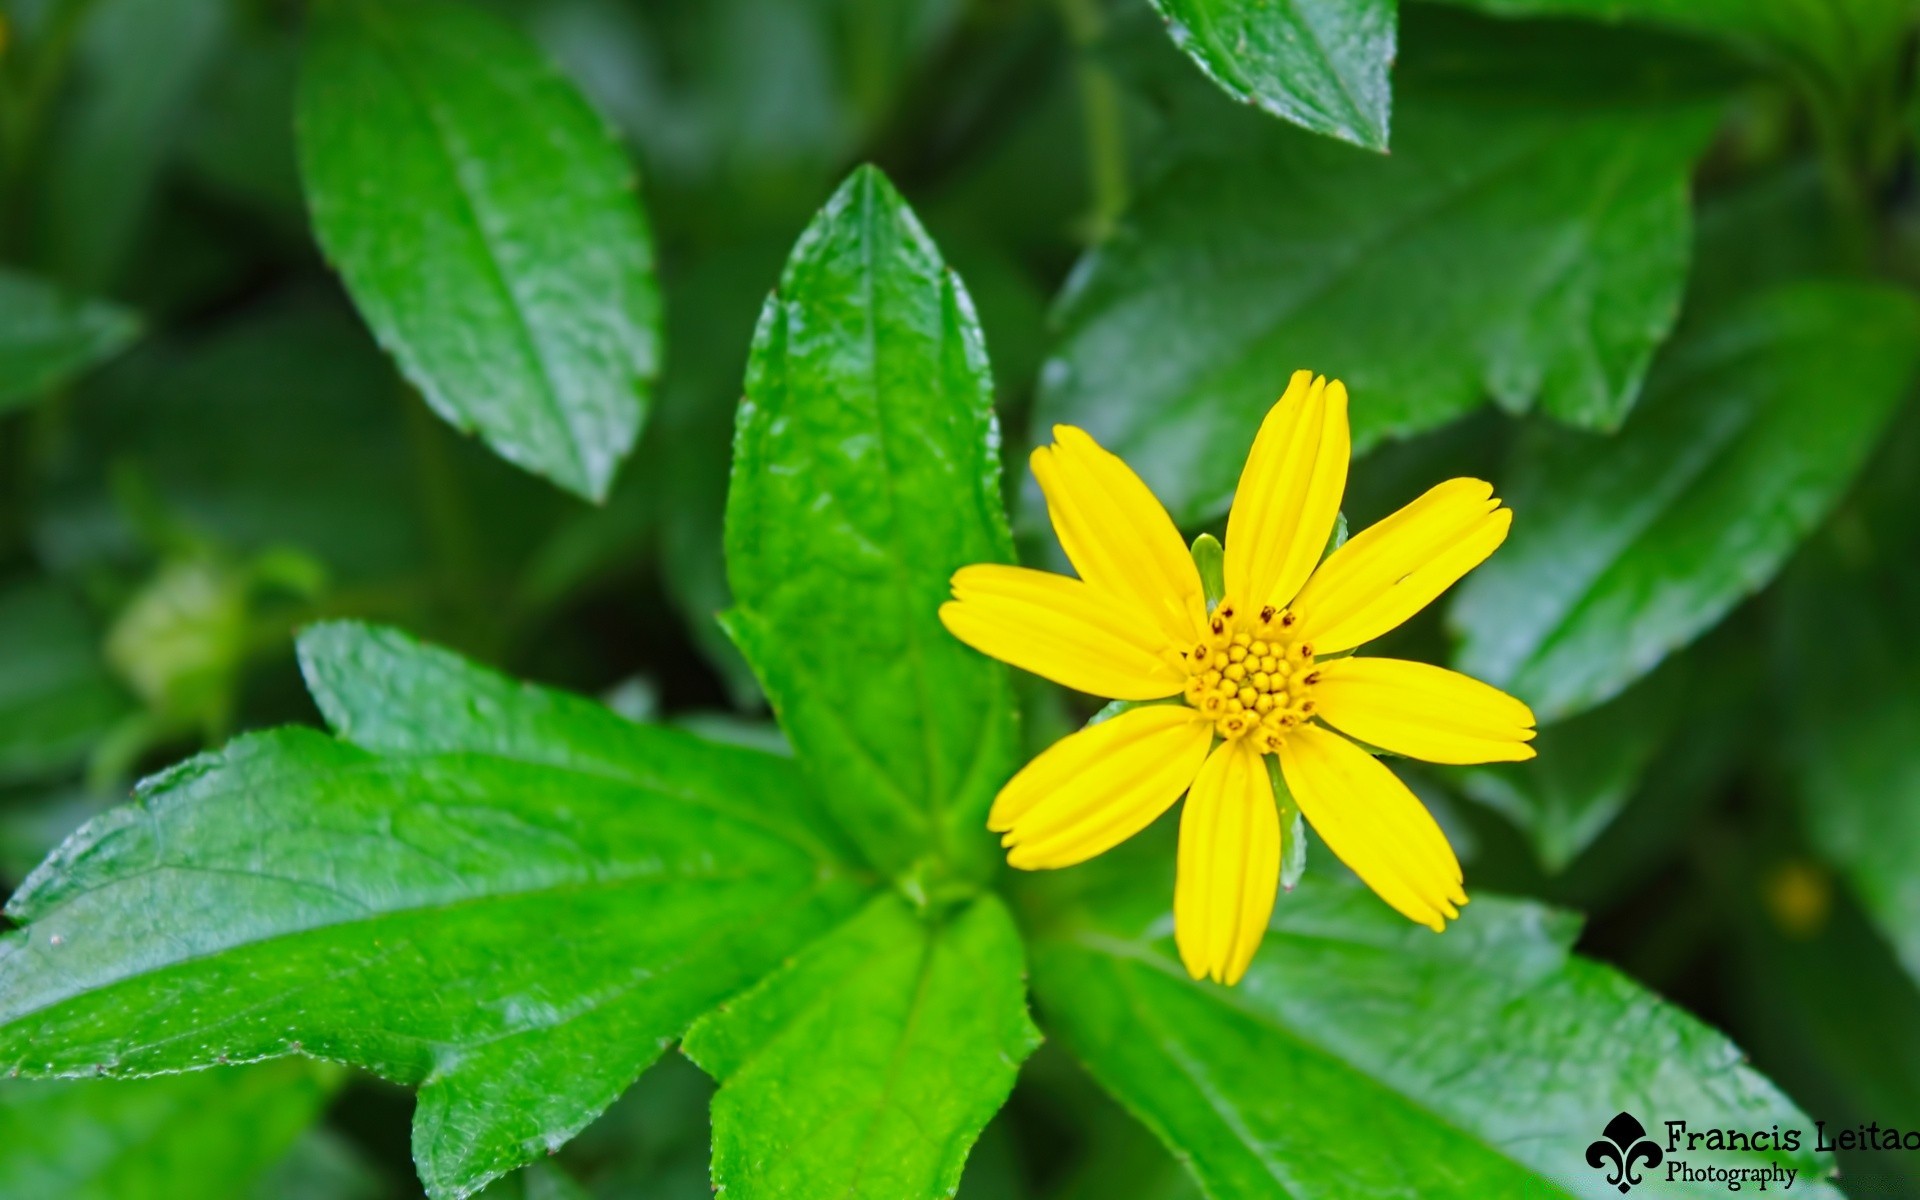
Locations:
(1321, 64)
(47, 338)
(1363, 1056)
(866, 470)
(56, 697)
(1626, 549)
(183, 420)
(868, 1066)
(1523, 246)
(136, 69)
(1826, 1009)
(322, 1166)
(1846, 643)
(457, 912)
(488, 228)
(208, 1135)
(1835, 41)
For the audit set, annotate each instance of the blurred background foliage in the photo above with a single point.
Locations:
(1710, 594)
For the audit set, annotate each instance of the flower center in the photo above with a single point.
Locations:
(1251, 675)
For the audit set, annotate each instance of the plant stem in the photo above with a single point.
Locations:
(1100, 105)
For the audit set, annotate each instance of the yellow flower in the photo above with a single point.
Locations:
(1257, 675)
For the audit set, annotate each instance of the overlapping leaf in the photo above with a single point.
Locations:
(1631, 547)
(488, 228)
(1486, 1059)
(1321, 64)
(868, 1066)
(1526, 240)
(448, 897)
(866, 470)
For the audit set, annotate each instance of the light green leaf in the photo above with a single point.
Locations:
(487, 226)
(1626, 549)
(868, 1066)
(56, 697)
(1321, 64)
(457, 912)
(383, 690)
(866, 471)
(208, 1135)
(1526, 240)
(48, 338)
(1363, 1056)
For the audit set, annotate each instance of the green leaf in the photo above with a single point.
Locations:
(1625, 550)
(387, 692)
(56, 697)
(1845, 642)
(179, 426)
(868, 1066)
(1321, 64)
(1527, 241)
(209, 1134)
(866, 471)
(449, 901)
(1835, 41)
(48, 338)
(1363, 1056)
(137, 66)
(488, 228)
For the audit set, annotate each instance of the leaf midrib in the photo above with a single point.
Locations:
(389, 45)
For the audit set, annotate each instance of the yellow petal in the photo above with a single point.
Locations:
(1393, 569)
(1373, 824)
(1116, 533)
(1229, 865)
(1289, 493)
(1096, 788)
(1063, 630)
(1423, 711)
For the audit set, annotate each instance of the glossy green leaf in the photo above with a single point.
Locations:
(866, 471)
(48, 338)
(1526, 240)
(208, 1135)
(1625, 549)
(488, 228)
(56, 697)
(447, 896)
(867, 1067)
(1363, 1056)
(1321, 64)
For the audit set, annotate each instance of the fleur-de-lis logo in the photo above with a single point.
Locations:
(1622, 1150)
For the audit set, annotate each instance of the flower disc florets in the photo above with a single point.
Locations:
(1252, 676)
